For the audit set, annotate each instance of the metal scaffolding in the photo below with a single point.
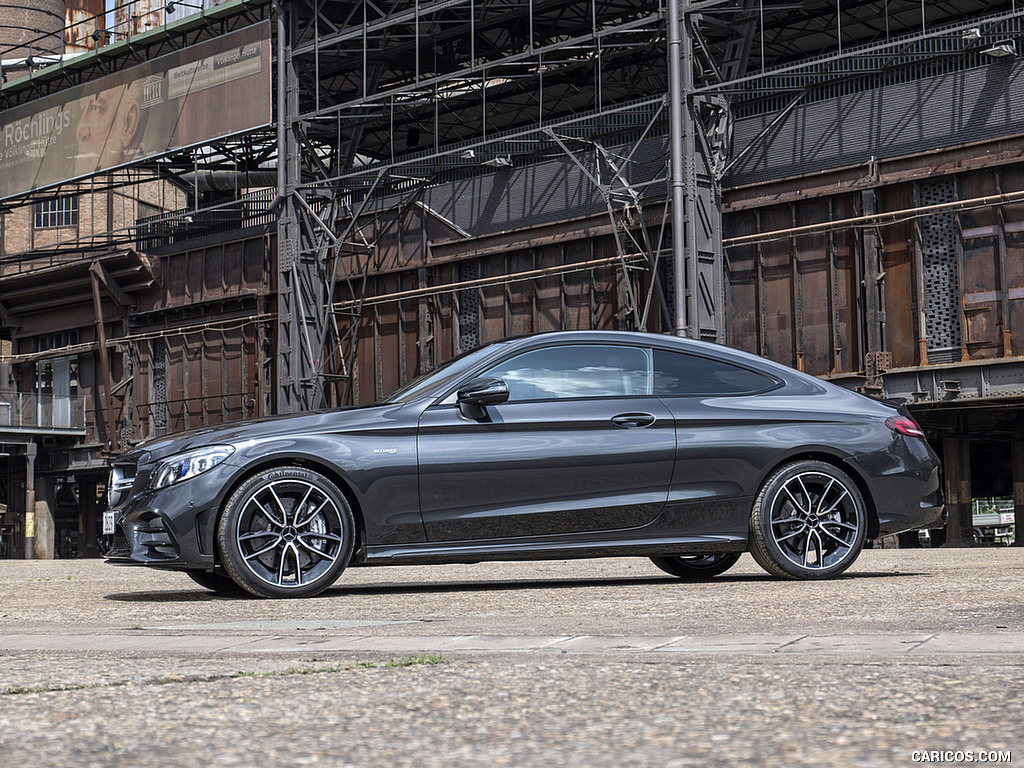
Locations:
(377, 104)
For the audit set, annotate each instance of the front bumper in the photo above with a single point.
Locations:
(171, 528)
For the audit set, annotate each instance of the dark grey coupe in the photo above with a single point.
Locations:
(562, 445)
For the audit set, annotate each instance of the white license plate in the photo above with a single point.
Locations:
(108, 523)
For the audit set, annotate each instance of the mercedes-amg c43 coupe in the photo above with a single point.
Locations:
(554, 446)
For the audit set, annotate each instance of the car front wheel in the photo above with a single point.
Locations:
(286, 532)
(808, 522)
(694, 567)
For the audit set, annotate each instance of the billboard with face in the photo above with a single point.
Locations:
(207, 91)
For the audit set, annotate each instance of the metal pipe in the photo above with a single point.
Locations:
(282, 36)
(228, 181)
(675, 98)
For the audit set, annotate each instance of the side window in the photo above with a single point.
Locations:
(575, 371)
(676, 373)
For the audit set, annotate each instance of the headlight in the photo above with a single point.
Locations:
(182, 466)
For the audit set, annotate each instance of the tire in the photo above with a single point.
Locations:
(214, 581)
(286, 532)
(696, 567)
(809, 521)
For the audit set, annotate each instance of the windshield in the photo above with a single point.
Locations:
(439, 377)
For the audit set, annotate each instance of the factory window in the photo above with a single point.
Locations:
(57, 212)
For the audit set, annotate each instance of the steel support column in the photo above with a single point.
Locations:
(300, 284)
(696, 194)
(956, 461)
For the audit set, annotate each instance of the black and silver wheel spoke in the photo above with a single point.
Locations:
(310, 516)
(302, 541)
(269, 548)
(815, 521)
(268, 514)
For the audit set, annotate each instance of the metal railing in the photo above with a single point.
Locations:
(170, 227)
(42, 412)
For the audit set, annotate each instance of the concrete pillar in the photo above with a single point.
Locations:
(88, 523)
(956, 464)
(30, 500)
(45, 539)
(1017, 467)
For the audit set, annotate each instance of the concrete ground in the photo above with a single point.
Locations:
(913, 656)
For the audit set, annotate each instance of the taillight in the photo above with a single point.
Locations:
(905, 426)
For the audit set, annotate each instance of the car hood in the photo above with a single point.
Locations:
(236, 432)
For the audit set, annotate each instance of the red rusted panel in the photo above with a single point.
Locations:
(899, 286)
(777, 274)
(213, 393)
(195, 405)
(1013, 217)
(492, 298)
(389, 330)
(255, 265)
(814, 311)
(194, 289)
(741, 284)
(175, 363)
(578, 291)
(137, 16)
(521, 295)
(549, 291)
(605, 299)
(847, 353)
(82, 18)
(410, 330)
(213, 277)
(365, 385)
(980, 270)
(444, 335)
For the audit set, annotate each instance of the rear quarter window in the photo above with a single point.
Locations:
(677, 373)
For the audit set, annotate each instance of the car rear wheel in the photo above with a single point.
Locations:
(216, 582)
(808, 522)
(697, 566)
(286, 532)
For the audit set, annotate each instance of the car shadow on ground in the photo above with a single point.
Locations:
(198, 594)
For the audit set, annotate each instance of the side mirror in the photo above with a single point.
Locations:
(481, 392)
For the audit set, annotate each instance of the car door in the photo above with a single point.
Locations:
(580, 445)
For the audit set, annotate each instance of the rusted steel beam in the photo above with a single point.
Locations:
(100, 273)
(958, 159)
(880, 218)
(106, 384)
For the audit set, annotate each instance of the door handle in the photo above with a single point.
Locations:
(633, 419)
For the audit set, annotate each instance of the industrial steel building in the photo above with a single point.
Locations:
(221, 210)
